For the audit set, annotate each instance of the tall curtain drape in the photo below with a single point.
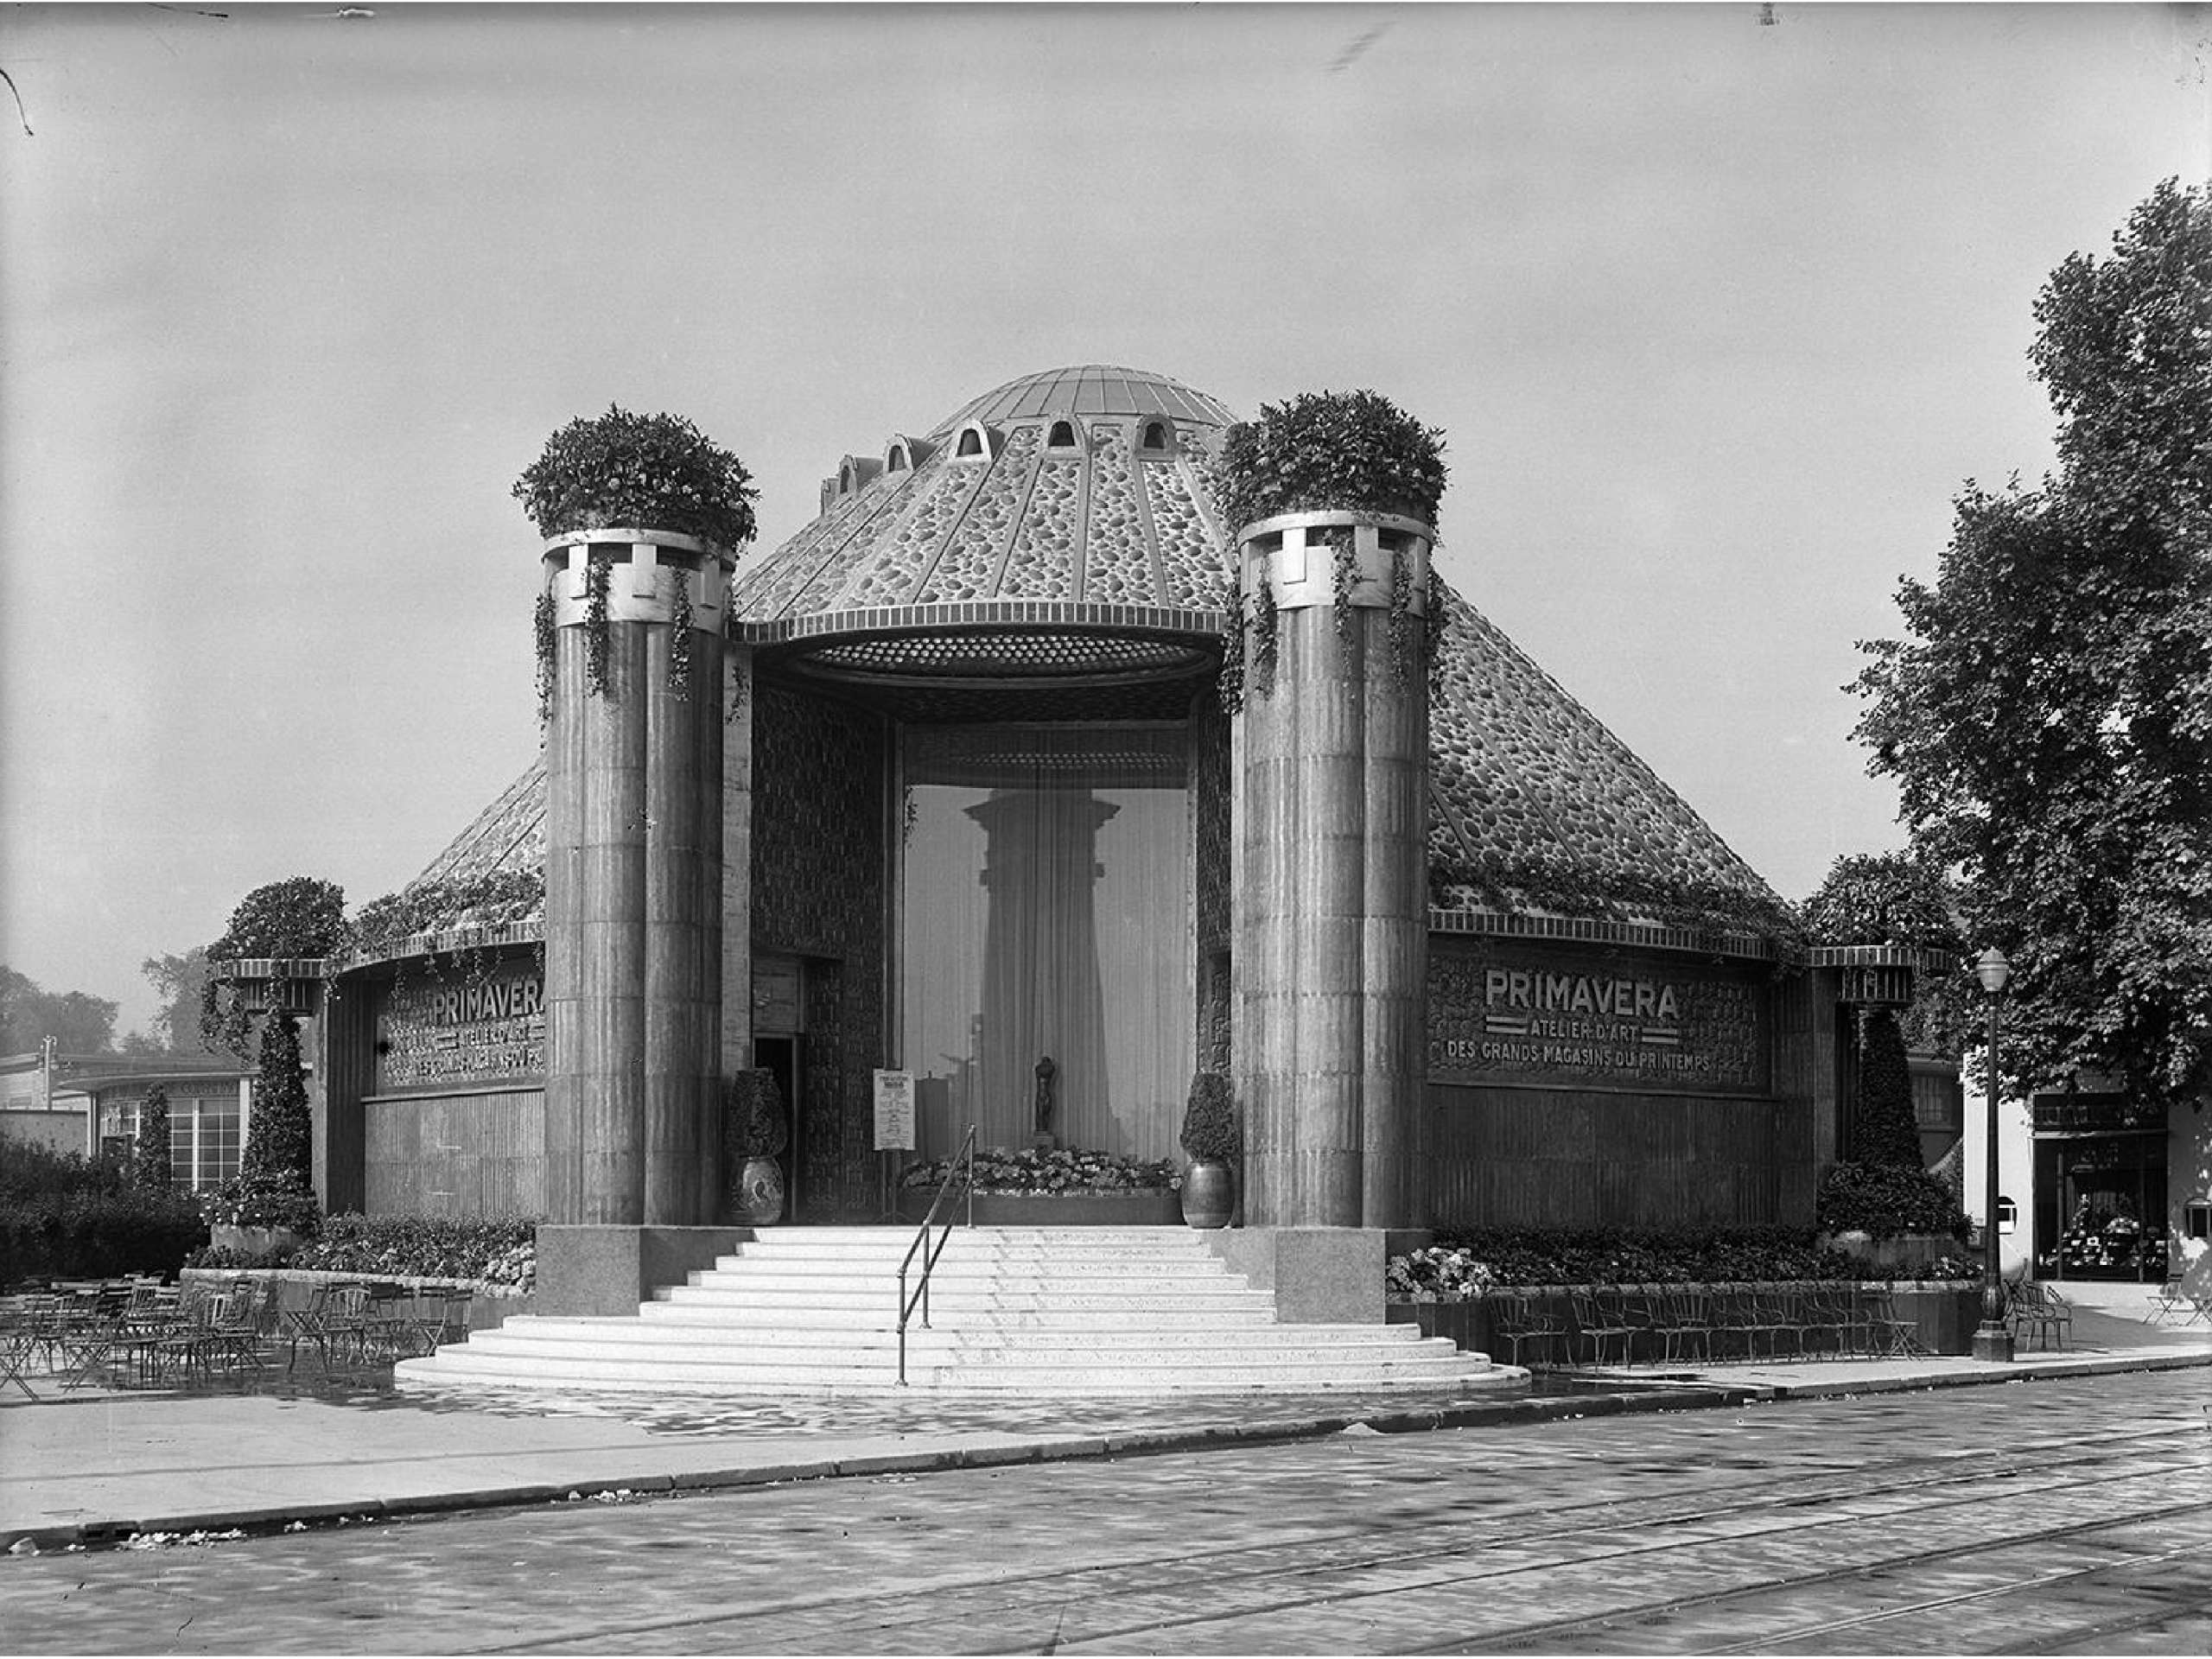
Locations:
(1046, 913)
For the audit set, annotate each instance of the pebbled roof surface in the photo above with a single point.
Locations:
(1106, 520)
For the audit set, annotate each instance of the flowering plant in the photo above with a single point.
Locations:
(1063, 1172)
(266, 1197)
(498, 1252)
(1439, 1273)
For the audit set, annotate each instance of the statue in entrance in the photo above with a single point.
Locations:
(1046, 1068)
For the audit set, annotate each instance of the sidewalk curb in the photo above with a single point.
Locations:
(2015, 1372)
(1703, 1392)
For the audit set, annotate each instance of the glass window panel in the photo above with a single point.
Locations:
(1045, 912)
(217, 1152)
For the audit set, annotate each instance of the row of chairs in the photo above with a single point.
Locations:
(373, 1321)
(136, 1329)
(141, 1332)
(1627, 1325)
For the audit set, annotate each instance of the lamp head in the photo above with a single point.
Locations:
(1993, 970)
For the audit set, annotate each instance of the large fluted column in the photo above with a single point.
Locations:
(633, 836)
(1331, 933)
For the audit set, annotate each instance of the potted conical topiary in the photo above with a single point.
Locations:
(754, 1135)
(1213, 1144)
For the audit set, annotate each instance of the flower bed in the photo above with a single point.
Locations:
(497, 1252)
(1057, 1173)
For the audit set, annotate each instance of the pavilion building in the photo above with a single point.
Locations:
(953, 781)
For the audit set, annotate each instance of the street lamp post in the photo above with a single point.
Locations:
(1992, 1339)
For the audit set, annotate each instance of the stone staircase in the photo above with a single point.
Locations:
(1066, 1311)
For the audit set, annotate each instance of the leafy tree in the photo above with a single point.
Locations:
(181, 984)
(280, 1137)
(302, 916)
(151, 1154)
(78, 1023)
(2049, 720)
(1896, 899)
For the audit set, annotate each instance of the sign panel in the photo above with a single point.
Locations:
(894, 1111)
(456, 1032)
(1504, 1011)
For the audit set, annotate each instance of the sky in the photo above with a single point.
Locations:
(1716, 315)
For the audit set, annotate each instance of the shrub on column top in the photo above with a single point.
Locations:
(1353, 451)
(649, 471)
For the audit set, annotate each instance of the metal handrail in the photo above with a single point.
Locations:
(963, 1166)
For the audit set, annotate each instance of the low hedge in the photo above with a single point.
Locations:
(98, 1235)
(1462, 1264)
(64, 1215)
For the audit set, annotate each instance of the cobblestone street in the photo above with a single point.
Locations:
(2053, 1517)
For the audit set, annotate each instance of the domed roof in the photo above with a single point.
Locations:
(1073, 497)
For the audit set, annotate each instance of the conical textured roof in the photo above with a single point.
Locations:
(1534, 804)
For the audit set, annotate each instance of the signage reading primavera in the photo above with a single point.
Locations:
(1500, 1011)
(431, 1033)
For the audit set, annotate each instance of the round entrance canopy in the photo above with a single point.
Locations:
(1056, 530)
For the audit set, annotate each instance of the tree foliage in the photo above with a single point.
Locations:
(78, 1022)
(2049, 723)
(1898, 898)
(181, 983)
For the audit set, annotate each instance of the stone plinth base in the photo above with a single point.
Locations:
(1993, 1346)
(1320, 1275)
(589, 1269)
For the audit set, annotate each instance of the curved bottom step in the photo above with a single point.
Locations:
(1500, 1379)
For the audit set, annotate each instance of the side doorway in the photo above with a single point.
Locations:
(776, 1025)
(780, 1056)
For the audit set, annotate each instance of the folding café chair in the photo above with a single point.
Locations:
(1598, 1317)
